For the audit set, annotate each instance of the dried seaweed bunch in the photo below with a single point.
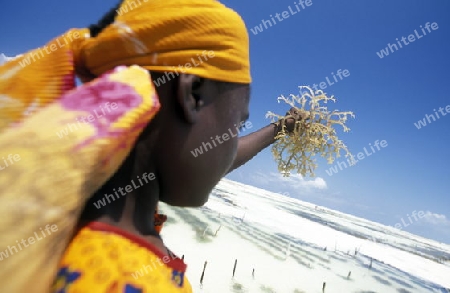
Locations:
(313, 134)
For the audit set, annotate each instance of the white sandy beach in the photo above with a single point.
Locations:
(294, 246)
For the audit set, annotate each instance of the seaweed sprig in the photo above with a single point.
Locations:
(314, 134)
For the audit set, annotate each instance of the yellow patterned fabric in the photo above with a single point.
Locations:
(103, 259)
(61, 162)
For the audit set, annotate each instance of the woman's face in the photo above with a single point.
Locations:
(194, 156)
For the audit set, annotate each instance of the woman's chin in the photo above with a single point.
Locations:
(186, 201)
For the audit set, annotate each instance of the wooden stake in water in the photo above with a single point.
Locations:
(205, 231)
(234, 268)
(288, 250)
(203, 273)
(323, 287)
(253, 274)
(182, 258)
(349, 274)
(215, 234)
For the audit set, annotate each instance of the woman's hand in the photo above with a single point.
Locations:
(290, 120)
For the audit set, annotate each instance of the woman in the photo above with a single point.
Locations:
(150, 130)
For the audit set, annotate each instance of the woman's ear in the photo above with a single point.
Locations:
(188, 96)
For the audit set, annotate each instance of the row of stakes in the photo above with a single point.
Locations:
(253, 274)
(287, 253)
(206, 262)
(253, 271)
(234, 270)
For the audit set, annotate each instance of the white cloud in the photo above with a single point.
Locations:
(436, 219)
(294, 181)
(4, 58)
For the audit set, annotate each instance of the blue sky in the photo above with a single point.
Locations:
(388, 95)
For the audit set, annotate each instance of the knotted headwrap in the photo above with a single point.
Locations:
(161, 35)
(51, 161)
(201, 37)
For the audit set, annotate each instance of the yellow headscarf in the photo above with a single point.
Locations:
(201, 37)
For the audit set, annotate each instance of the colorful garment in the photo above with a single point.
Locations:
(104, 259)
(55, 176)
(57, 160)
